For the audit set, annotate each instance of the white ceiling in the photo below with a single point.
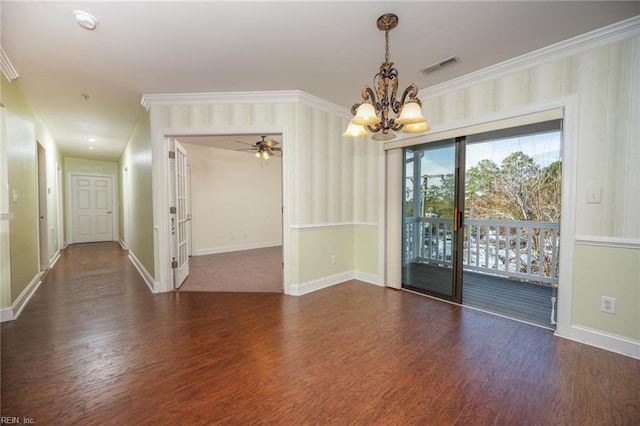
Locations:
(329, 49)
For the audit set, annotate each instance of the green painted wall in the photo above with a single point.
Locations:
(312, 250)
(612, 272)
(22, 130)
(137, 158)
(81, 165)
(365, 249)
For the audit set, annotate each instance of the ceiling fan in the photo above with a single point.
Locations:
(263, 148)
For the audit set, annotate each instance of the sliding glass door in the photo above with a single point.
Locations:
(431, 219)
(489, 203)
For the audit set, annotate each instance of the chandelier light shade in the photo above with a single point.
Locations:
(416, 128)
(374, 113)
(355, 130)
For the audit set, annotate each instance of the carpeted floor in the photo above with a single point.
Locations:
(249, 271)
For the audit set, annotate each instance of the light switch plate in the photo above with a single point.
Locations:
(594, 195)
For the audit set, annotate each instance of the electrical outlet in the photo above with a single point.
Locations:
(334, 259)
(608, 304)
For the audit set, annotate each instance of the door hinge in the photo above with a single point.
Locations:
(172, 154)
(174, 263)
(173, 210)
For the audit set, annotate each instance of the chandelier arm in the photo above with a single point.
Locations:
(374, 128)
(412, 93)
(395, 126)
(368, 95)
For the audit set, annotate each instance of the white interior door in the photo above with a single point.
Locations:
(182, 216)
(92, 208)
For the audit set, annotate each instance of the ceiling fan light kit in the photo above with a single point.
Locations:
(264, 149)
(372, 115)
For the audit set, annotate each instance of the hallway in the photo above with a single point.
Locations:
(95, 347)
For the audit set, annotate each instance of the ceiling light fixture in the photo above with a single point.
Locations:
(91, 139)
(85, 20)
(263, 152)
(373, 113)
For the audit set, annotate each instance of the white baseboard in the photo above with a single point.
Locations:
(12, 313)
(368, 278)
(240, 247)
(146, 276)
(6, 314)
(602, 340)
(65, 244)
(315, 285)
(123, 245)
(54, 259)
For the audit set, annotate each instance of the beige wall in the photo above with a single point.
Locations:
(236, 200)
(22, 130)
(137, 158)
(605, 82)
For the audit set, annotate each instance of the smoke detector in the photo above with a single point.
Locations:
(85, 20)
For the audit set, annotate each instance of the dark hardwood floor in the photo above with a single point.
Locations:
(95, 347)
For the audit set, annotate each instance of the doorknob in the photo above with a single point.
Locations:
(42, 217)
(109, 212)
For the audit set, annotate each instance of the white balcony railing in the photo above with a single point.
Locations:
(516, 249)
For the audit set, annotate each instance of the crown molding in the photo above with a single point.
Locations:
(282, 96)
(607, 35)
(324, 105)
(7, 67)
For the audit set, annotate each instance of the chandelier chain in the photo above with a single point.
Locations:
(386, 49)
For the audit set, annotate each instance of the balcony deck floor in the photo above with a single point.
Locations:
(514, 299)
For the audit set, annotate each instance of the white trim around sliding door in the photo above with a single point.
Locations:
(568, 107)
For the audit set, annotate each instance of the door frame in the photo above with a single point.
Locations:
(43, 216)
(59, 206)
(163, 272)
(114, 191)
(393, 164)
(125, 207)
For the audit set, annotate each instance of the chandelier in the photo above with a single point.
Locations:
(372, 115)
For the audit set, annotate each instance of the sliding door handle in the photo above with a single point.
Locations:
(458, 219)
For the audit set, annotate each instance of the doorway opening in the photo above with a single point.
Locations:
(233, 218)
(482, 220)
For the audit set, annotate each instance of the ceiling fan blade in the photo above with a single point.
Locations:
(276, 149)
(245, 143)
(271, 143)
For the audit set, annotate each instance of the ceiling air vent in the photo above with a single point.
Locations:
(438, 65)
